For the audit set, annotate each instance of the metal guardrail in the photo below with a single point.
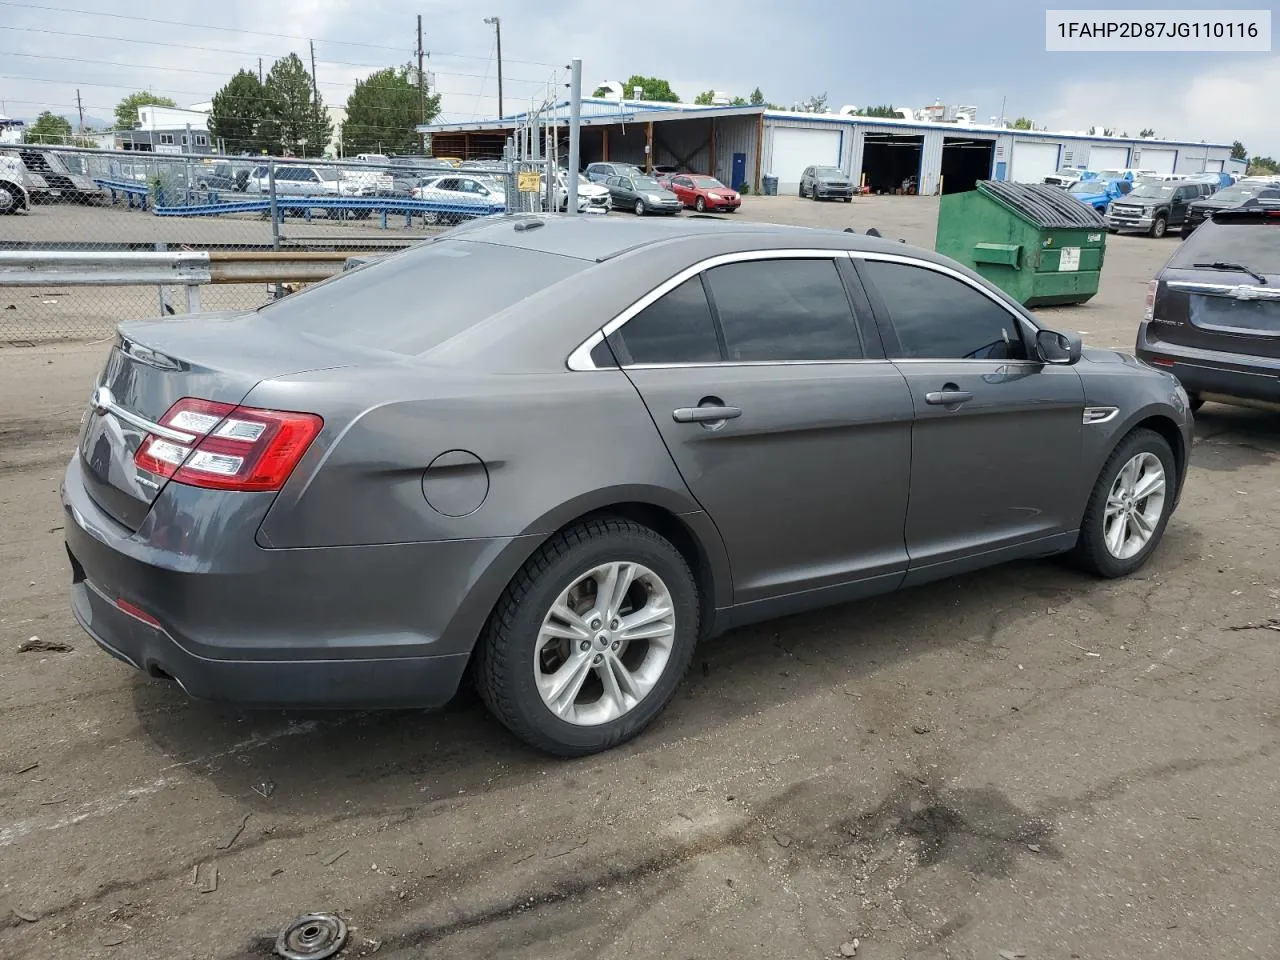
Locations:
(189, 270)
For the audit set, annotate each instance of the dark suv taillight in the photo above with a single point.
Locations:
(232, 448)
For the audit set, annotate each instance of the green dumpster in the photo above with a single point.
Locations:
(1037, 243)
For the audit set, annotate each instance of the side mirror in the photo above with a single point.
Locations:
(1059, 348)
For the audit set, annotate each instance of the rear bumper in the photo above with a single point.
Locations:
(1213, 373)
(348, 627)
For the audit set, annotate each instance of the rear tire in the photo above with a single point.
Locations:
(1114, 501)
(1159, 227)
(516, 650)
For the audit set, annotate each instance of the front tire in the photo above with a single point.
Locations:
(559, 665)
(1129, 507)
(639, 208)
(701, 205)
(1159, 228)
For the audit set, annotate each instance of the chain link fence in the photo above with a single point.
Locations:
(256, 207)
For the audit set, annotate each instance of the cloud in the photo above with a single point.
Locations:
(1219, 104)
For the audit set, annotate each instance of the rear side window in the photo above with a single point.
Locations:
(1255, 243)
(676, 328)
(779, 310)
(413, 301)
(938, 317)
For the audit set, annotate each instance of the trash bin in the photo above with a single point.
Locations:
(1037, 243)
(770, 186)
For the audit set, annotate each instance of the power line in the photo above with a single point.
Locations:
(223, 73)
(255, 33)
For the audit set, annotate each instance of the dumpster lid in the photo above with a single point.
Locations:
(1045, 206)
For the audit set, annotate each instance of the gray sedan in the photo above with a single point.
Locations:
(427, 467)
(642, 195)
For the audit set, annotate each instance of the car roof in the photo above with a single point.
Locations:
(599, 239)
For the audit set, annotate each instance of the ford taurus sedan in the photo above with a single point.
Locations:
(556, 452)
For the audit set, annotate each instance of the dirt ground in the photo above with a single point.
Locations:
(1024, 760)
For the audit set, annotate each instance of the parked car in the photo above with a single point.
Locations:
(1152, 207)
(704, 193)
(1228, 198)
(642, 195)
(47, 179)
(600, 172)
(1128, 173)
(13, 195)
(592, 197)
(826, 183)
(298, 180)
(273, 538)
(1067, 177)
(1213, 311)
(462, 192)
(222, 176)
(1099, 193)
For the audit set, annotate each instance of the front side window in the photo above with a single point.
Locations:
(676, 328)
(938, 317)
(784, 310)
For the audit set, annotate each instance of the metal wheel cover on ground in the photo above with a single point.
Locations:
(1134, 506)
(605, 643)
(313, 936)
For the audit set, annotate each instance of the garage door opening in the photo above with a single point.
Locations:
(891, 162)
(965, 161)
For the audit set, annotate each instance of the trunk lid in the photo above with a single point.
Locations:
(153, 364)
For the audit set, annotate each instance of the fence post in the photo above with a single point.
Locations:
(275, 210)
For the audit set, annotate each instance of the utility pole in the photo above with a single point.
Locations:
(422, 91)
(80, 108)
(497, 26)
(315, 104)
(575, 134)
(259, 69)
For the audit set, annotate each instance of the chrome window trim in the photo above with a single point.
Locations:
(580, 359)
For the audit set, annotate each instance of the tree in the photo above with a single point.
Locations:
(1238, 152)
(816, 104)
(1263, 167)
(1146, 133)
(705, 98)
(757, 97)
(127, 109)
(239, 111)
(49, 128)
(738, 102)
(1024, 123)
(382, 112)
(297, 120)
(884, 110)
(652, 88)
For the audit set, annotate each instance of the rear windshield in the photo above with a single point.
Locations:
(1254, 244)
(413, 301)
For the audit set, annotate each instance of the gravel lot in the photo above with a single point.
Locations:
(1024, 760)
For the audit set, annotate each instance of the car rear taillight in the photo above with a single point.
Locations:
(232, 448)
(1151, 300)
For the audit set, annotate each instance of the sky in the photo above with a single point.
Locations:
(860, 52)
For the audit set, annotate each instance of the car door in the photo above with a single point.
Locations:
(682, 187)
(1182, 198)
(785, 420)
(995, 449)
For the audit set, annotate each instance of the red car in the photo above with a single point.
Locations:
(704, 193)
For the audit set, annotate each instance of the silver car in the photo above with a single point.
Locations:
(642, 195)
(427, 467)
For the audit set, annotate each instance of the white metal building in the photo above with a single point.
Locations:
(747, 144)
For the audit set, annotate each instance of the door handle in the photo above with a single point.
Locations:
(948, 396)
(712, 413)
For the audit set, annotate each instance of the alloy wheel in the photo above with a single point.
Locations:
(639, 208)
(1134, 506)
(605, 643)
